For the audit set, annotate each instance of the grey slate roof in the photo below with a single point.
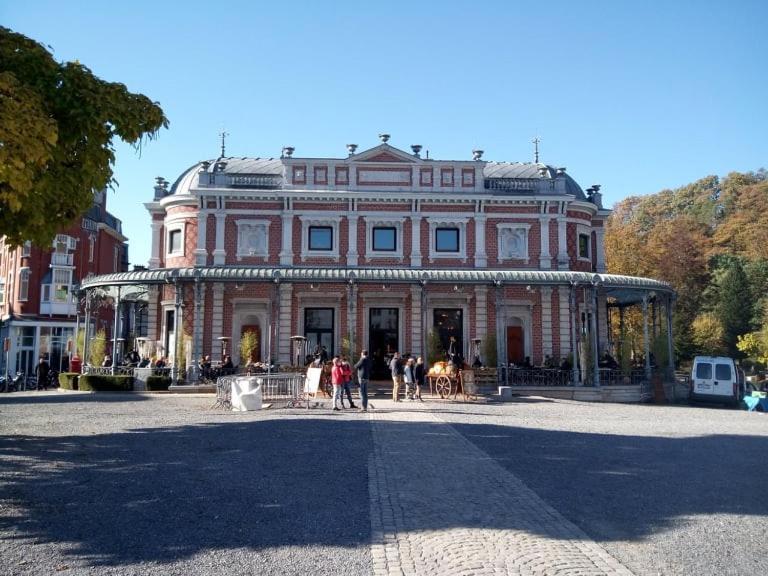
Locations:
(274, 167)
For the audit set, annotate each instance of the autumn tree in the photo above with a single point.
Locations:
(57, 126)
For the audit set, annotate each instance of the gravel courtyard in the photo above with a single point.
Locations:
(140, 484)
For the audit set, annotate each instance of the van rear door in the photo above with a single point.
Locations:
(724, 379)
(703, 381)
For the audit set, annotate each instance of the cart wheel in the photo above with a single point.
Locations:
(443, 386)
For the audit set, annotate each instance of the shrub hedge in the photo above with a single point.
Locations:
(155, 383)
(68, 380)
(105, 383)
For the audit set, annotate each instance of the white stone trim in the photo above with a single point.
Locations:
(416, 240)
(565, 321)
(448, 221)
(513, 241)
(600, 250)
(319, 220)
(252, 239)
(481, 257)
(545, 258)
(377, 221)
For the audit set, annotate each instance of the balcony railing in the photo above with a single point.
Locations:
(59, 259)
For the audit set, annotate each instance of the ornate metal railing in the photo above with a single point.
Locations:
(534, 377)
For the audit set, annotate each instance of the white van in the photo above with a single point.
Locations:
(717, 379)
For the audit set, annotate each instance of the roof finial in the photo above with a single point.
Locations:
(535, 142)
(223, 135)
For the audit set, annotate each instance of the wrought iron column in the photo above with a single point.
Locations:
(197, 328)
(424, 339)
(646, 344)
(670, 339)
(574, 341)
(115, 324)
(87, 334)
(176, 329)
(595, 339)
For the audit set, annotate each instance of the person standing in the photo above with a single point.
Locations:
(346, 373)
(41, 371)
(408, 378)
(420, 376)
(363, 368)
(396, 369)
(337, 381)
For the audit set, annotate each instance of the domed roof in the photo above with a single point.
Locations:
(530, 170)
(188, 178)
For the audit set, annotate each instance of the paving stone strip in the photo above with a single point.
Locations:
(440, 505)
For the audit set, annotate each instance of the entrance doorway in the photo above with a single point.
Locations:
(383, 341)
(515, 345)
(449, 325)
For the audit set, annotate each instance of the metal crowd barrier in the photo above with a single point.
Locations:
(285, 387)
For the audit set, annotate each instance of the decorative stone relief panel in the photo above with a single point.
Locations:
(513, 241)
(252, 238)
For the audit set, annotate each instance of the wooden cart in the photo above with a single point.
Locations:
(446, 381)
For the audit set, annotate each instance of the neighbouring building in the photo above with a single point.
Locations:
(39, 288)
(382, 249)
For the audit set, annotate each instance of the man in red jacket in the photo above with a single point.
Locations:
(337, 380)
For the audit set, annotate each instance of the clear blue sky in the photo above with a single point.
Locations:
(636, 96)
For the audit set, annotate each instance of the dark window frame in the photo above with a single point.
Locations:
(376, 248)
(172, 234)
(456, 232)
(310, 245)
(587, 245)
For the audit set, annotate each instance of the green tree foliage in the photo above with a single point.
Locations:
(708, 240)
(733, 306)
(97, 348)
(249, 344)
(57, 125)
(708, 335)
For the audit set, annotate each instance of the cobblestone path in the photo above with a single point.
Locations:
(440, 505)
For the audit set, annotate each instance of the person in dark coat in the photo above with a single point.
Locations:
(363, 368)
(420, 376)
(42, 370)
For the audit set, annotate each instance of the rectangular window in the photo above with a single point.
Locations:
(583, 246)
(447, 240)
(320, 238)
(174, 242)
(446, 177)
(46, 293)
(704, 371)
(384, 239)
(24, 284)
(425, 177)
(2, 292)
(26, 249)
(722, 372)
(467, 177)
(318, 329)
(61, 282)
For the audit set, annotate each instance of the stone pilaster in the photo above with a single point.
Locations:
(201, 254)
(416, 241)
(154, 261)
(286, 244)
(352, 255)
(600, 250)
(219, 253)
(545, 260)
(481, 258)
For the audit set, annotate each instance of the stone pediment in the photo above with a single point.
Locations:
(384, 153)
